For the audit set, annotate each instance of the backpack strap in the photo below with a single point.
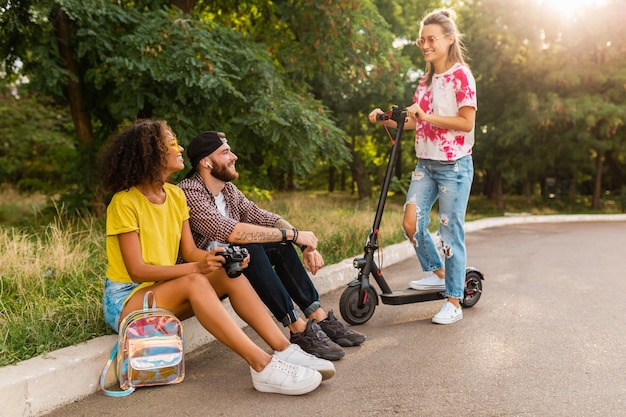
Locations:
(146, 299)
(103, 376)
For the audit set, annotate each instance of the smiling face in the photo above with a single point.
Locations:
(223, 164)
(435, 43)
(175, 151)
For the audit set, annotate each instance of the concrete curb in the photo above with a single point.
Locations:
(32, 388)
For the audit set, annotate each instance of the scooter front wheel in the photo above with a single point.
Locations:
(349, 304)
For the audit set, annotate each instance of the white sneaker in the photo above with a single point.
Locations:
(448, 314)
(285, 378)
(295, 355)
(429, 282)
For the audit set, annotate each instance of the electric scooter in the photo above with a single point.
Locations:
(359, 299)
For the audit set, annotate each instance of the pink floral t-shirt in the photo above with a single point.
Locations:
(447, 93)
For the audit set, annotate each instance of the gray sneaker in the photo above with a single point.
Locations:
(340, 334)
(294, 354)
(313, 340)
(285, 378)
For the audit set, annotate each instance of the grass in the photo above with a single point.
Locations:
(52, 271)
(51, 288)
(340, 222)
(17, 207)
(53, 268)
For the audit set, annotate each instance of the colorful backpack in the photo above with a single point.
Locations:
(149, 350)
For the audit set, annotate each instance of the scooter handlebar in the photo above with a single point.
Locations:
(383, 116)
(395, 113)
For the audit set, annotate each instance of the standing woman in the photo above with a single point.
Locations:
(147, 224)
(443, 114)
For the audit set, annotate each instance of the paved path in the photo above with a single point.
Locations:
(547, 338)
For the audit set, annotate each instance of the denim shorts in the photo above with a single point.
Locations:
(113, 300)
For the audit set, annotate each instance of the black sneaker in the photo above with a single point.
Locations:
(314, 341)
(339, 333)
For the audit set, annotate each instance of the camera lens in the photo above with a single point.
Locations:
(233, 270)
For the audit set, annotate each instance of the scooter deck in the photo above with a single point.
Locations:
(409, 296)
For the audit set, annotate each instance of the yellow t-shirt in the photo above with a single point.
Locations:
(159, 227)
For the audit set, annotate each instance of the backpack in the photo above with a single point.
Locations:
(149, 350)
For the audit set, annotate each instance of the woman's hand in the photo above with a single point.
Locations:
(414, 111)
(372, 116)
(212, 261)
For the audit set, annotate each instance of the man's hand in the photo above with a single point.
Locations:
(306, 238)
(312, 259)
(245, 262)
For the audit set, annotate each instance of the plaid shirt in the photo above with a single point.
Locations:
(208, 224)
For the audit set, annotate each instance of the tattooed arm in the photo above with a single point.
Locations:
(246, 233)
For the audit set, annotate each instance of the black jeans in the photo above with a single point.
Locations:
(278, 276)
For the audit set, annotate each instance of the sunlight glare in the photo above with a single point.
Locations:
(570, 8)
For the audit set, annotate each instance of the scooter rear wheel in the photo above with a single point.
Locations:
(473, 288)
(349, 305)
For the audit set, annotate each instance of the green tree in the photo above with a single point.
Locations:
(544, 102)
(339, 51)
(500, 39)
(113, 61)
(584, 89)
(34, 144)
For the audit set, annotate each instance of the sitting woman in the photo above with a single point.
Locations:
(146, 227)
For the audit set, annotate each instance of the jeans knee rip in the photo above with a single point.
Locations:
(413, 200)
(416, 245)
(418, 216)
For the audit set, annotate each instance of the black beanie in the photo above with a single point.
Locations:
(202, 145)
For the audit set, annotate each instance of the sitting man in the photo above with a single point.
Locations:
(220, 212)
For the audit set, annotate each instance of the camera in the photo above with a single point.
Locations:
(233, 256)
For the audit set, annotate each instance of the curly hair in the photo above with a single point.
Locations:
(133, 155)
(446, 18)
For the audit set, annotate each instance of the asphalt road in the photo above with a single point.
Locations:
(547, 338)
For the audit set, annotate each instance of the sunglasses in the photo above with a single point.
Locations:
(174, 144)
(429, 39)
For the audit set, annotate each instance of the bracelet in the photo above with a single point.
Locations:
(303, 248)
(295, 235)
(284, 232)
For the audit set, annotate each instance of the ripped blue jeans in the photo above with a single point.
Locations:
(451, 183)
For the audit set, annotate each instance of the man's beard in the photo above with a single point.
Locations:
(222, 174)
